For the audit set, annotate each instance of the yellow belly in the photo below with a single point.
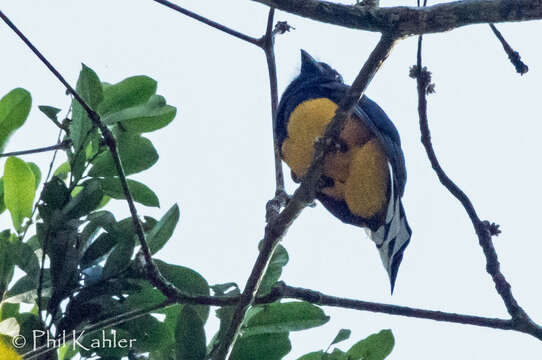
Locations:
(360, 173)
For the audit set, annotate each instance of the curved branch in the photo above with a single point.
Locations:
(484, 230)
(209, 22)
(305, 193)
(404, 20)
(161, 283)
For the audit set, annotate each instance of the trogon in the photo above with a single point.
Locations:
(364, 178)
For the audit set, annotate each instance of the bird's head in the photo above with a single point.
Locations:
(310, 68)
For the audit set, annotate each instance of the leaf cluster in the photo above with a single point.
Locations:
(79, 260)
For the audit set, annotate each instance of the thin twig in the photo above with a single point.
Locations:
(266, 43)
(111, 143)
(318, 298)
(212, 23)
(61, 145)
(482, 228)
(268, 47)
(283, 291)
(515, 58)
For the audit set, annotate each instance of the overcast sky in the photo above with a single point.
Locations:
(216, 156)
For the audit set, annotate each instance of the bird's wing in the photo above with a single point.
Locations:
(393, 234)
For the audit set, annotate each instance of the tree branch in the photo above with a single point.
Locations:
(268, 46)
(266, 43)
(283, 291)
(407, 21)
(61, 145)
(212, 23)
(109, 139)
(515, 58)
(484, 230)
(305, 194)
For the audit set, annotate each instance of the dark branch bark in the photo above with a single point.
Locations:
(110, 141)
(483, 229)
(405, 21)
(266, 43)
(62, 145)
(305, 194)
(283, 291)
(211, 23)
(515, 58)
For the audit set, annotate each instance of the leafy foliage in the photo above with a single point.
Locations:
(80, 265)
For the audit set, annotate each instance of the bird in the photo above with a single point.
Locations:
(364, 178)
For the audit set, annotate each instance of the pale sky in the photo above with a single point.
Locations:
(216, 157)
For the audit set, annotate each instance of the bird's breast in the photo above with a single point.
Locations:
(358, 172)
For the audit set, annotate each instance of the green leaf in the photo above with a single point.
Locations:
(62, 171)
(2, 202)
(50, 111)
(9, 327)
(78, 164)
(374, 347)
(24, 290)
(274, 270)
(337, 354)
(67, 352)
(120, 258)
(140, 192)
(342, 335)
(14, 109)
(26, 259)
(85, 201)
(61, 247)
(55, 193)
(36, 171)
(262, 347)
(7, 257)
(316, 355)
(90, 90)
(285, 317)
(92, 344)
(136, 153)
(19, 190)
(190, 335)
(150, 333)
(224, 313)
(89, 87)
(162, 231)
(151, 116)
(129, 92)
(145, 296)
(9, 310)
(188, 281)
(30, 325)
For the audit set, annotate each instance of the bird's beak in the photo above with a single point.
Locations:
(308, 64)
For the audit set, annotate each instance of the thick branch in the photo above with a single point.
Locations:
(305, 194)
(404, 20)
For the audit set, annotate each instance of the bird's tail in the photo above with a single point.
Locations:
(392, 238)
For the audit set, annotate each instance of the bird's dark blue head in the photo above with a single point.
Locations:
(310, 68)
(305, 86)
